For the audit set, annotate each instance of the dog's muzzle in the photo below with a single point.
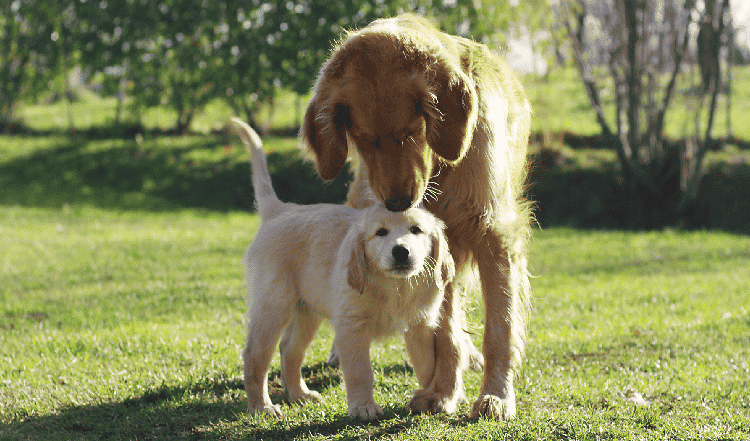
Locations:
(400, 203)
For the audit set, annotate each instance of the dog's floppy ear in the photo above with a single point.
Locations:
(357, 267)
(451, 113)
(324, 132)
(445, 268)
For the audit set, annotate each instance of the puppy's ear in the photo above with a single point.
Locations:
(324, 132)
(451, 114)
(357, 267)
(445, 268)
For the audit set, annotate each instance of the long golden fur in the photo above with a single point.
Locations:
(370, 271)
(437, 119)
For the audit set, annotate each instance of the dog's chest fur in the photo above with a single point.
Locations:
(388, 306)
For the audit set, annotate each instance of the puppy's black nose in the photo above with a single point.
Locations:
(399, 204)
(400, 254)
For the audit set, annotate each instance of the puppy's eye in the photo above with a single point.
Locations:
(381, 232)
(415, 230)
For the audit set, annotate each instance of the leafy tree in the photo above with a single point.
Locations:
(27, 31)
(184, 53)
(283, 43)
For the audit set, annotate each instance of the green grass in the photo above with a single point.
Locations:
(129, 325)
(558, 100)
(560, 104)
(91, 112)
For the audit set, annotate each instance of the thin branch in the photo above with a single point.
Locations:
(694, 168)
(679, 53)
(583, 69)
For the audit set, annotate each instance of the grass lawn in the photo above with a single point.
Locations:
(129, 325)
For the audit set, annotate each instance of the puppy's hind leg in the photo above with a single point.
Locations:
(297, 338)
(333, 358)
(267, 319)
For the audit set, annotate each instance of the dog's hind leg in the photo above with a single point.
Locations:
(297, 338)
(268, 316)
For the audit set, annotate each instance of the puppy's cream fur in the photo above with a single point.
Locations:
(372, 272)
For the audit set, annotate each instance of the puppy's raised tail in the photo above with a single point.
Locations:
(267, 202)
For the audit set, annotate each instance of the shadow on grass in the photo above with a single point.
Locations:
(209, 409)
(164, 413)
(171, 173)
(121, 174)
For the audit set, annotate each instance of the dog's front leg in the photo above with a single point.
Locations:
(505, 289)
(420, 344)
(353, 347)
(446, 387)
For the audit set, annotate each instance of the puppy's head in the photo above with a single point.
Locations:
(401, 245)
(388, 92)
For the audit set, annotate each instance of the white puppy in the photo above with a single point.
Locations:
(372, 272)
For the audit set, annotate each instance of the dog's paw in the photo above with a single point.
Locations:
(476, 361)
(494, 407)
(367, 412)
(270, 410)
(333, 359)
(303, 396)
(426, 401)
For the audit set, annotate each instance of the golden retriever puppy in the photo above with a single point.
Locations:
(372, 272)
(438, 119)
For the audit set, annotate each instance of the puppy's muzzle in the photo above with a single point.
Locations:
(400, 255)
(402, 262)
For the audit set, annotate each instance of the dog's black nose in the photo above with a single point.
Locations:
(399, 204)
(400, 254)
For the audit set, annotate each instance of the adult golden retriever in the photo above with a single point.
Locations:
(437, 119)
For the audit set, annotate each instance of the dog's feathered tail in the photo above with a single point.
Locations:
(267, 202)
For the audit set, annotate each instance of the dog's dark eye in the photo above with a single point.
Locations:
(374, 142)
(381, 232)
(415, 230)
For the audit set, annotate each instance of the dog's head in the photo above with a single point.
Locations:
(388, 92)
(401, 245)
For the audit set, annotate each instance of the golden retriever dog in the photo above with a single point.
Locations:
(371, 271)
(437, 119)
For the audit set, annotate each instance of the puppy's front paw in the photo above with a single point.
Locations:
(271, 410)
(426, 401)
(367, 412)
(494, 407)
